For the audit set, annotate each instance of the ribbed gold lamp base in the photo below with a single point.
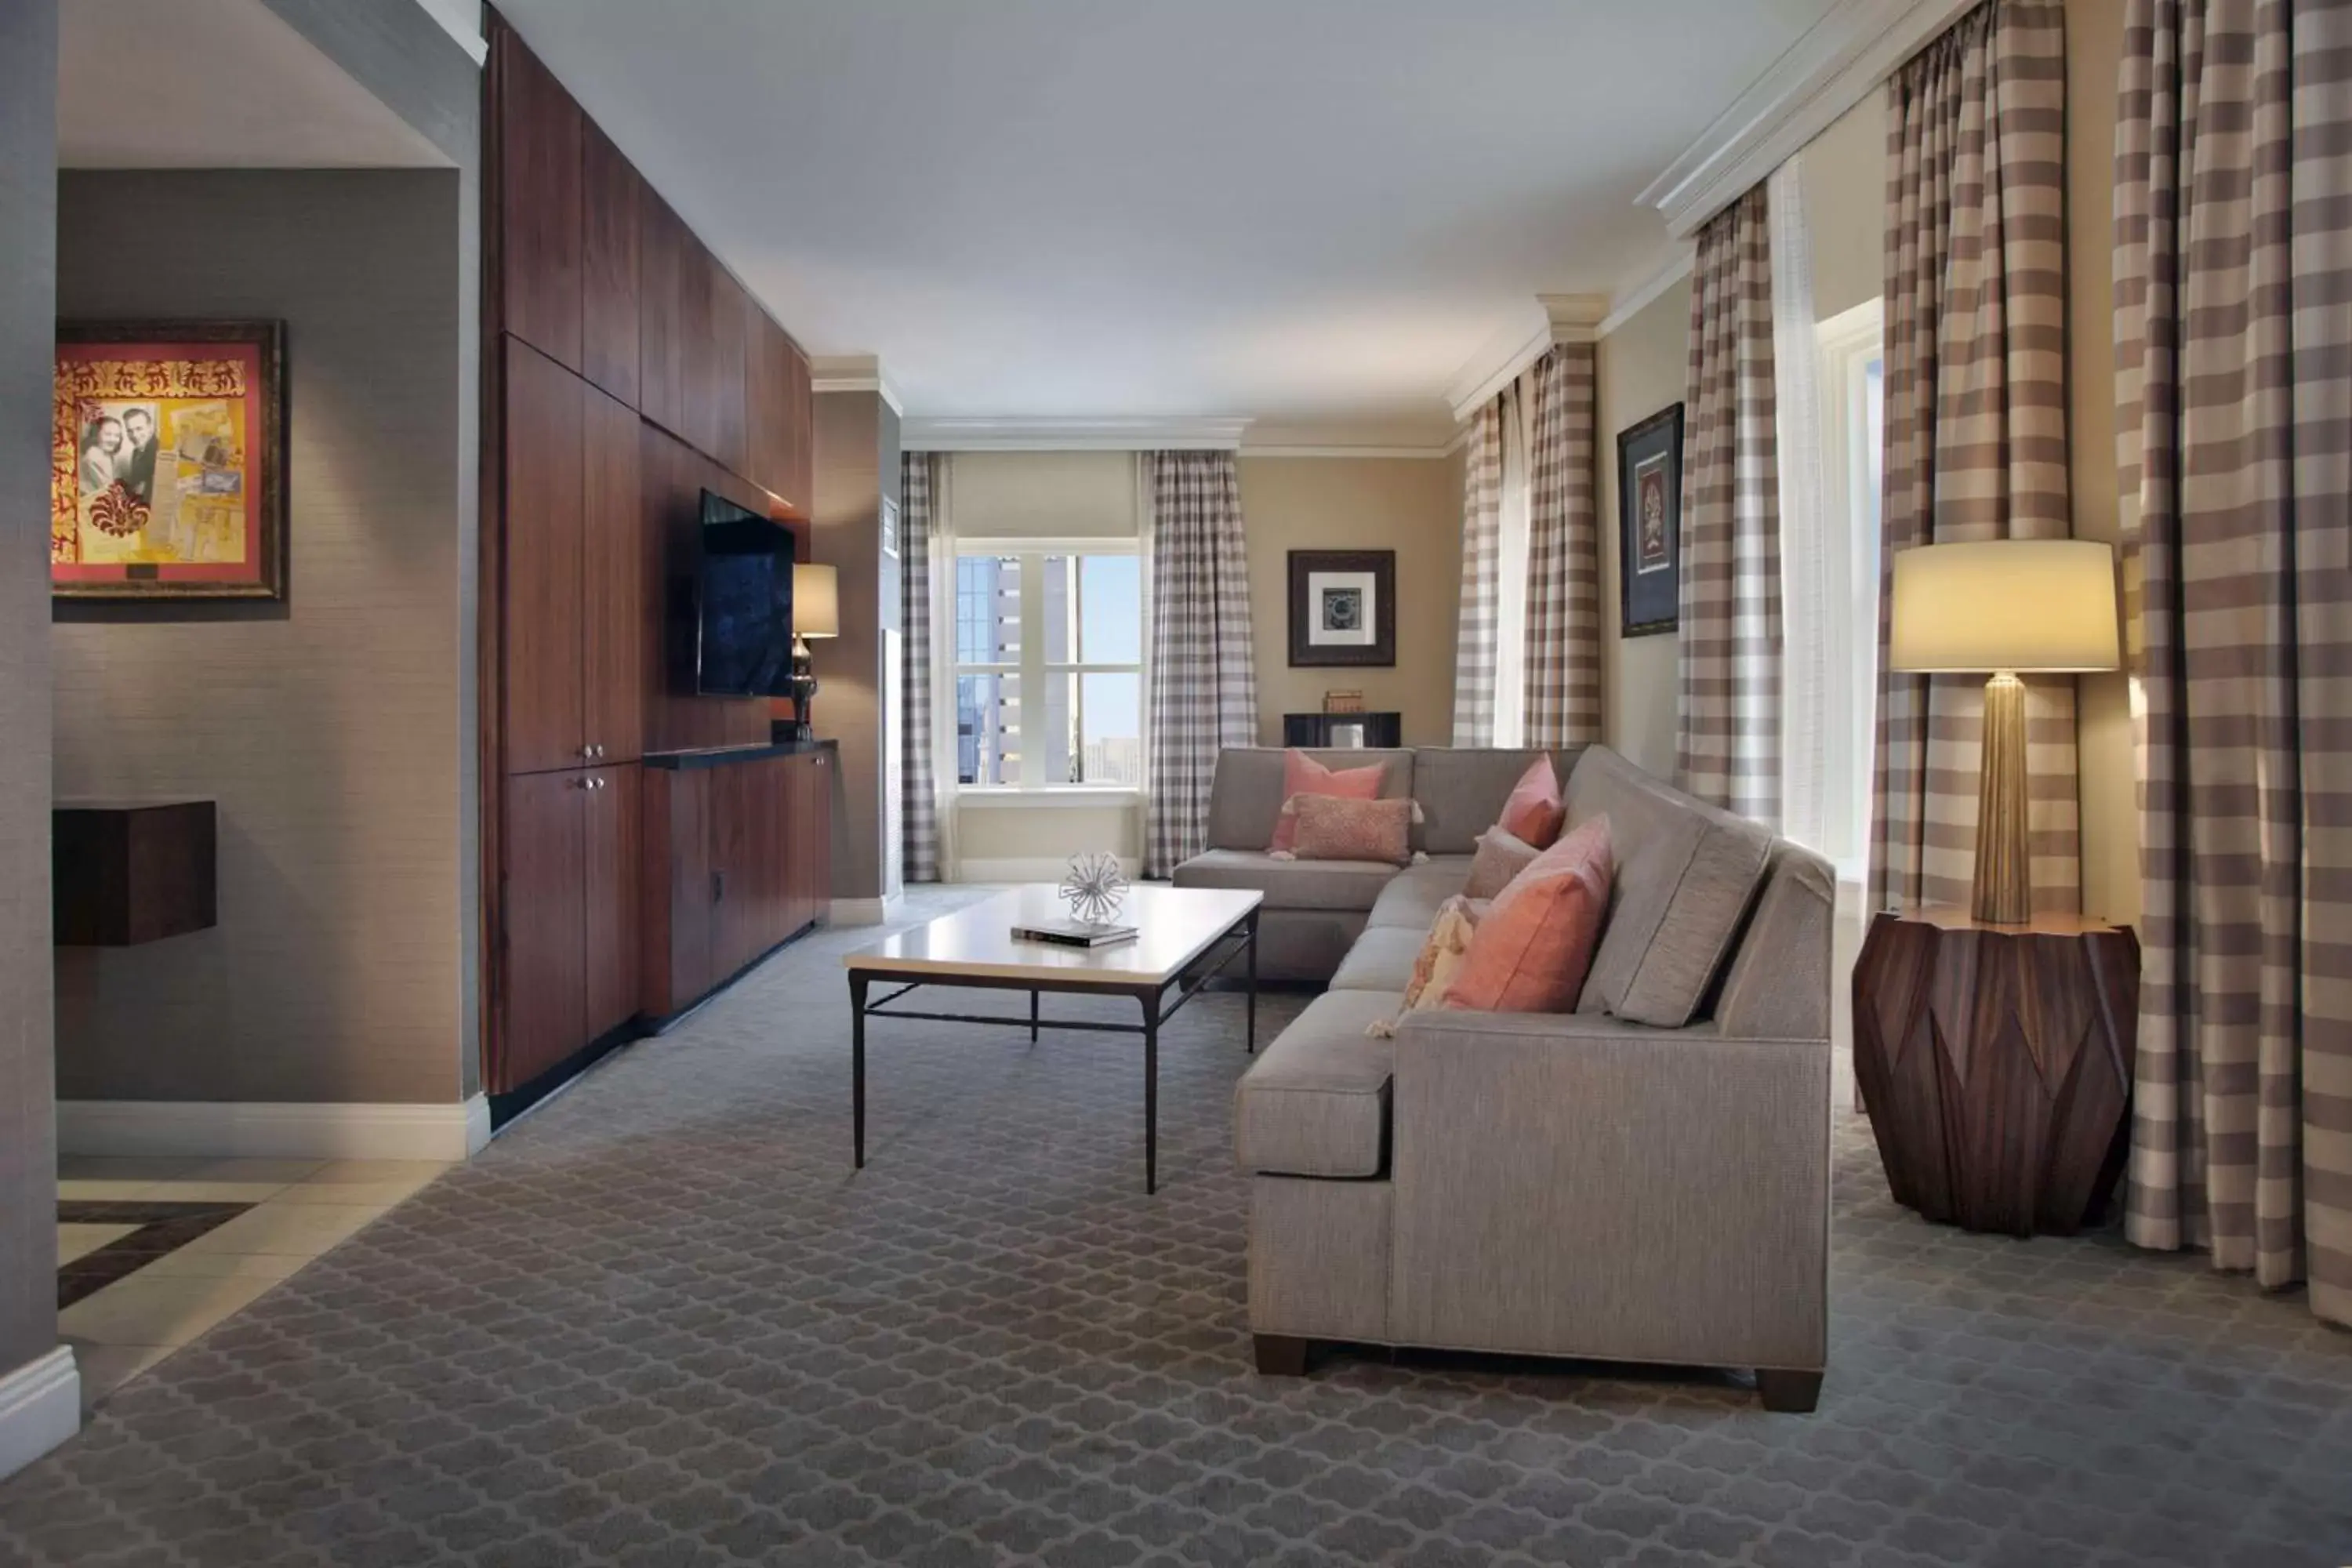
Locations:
(2004, 875)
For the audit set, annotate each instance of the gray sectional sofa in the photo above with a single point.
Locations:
(1646, 1179)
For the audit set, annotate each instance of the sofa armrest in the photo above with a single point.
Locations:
(1581, 1185)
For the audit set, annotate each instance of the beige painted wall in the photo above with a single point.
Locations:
(1032, 833)
(1410, 505)
(331, 728)
(1844, 182)
(1642, 368)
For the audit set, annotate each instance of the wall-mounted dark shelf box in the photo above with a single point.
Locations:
(130, 871)
(1343, 731)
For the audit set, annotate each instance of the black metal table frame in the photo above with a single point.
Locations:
(1239, 940)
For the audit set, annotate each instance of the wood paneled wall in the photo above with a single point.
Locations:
(626, 371)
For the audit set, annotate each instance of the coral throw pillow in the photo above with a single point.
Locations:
(1441, 955)
(1534, 812)
(1500, 859)
(1532, 952)
(1330, 828)
(1302, 774)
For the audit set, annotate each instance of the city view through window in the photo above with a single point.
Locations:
(1066, 705)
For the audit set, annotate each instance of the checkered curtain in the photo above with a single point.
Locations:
(1563, 657)
(918, 783)
(1476, 623)
(1728, 640)
(1975, 442)
(2233, 220)
(1203, 693)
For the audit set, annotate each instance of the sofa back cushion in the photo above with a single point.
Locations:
(1532, 949)
(1246, 794)
(1686, 873)
(1462, 790)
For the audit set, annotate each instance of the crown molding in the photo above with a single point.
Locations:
(854, 373)
(1534, 328)
(1627, 303)
(1839, 61)
(462, 20)
(995, 434)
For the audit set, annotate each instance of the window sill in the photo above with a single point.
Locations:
(996, 798)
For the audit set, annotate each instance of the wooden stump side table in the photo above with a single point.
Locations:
(1995, 1062)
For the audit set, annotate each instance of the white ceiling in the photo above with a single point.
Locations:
(213, 84)
(1295, 209)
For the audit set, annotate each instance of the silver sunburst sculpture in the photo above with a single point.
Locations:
(1094, 886)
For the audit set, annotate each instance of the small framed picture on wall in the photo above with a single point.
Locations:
(1649, 523)
(1342, 607)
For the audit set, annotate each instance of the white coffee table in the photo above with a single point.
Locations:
(1185, 937)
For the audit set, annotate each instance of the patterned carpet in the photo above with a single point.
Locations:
(661, 1323)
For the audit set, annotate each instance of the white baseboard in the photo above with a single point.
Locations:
(866, 912)
(1039, 869)
(40, 1407)
(272, 1130)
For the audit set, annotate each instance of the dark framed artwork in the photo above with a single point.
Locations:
(167, 457)
(1342, 607)
(1650, 524)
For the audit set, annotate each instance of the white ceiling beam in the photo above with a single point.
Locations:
(1543, 321)
(855, 373)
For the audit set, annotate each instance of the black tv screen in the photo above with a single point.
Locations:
(743, 603)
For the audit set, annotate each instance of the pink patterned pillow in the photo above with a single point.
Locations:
(1332, 828)
(1302, 774)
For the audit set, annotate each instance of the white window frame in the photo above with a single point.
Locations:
(1035, 790)
(1848, 342)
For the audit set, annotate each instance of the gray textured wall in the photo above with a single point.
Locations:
(28, 1190)
(334, 729)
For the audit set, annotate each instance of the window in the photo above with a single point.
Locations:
(1049, 666)
(1852, 379)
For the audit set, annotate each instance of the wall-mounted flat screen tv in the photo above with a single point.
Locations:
(743, 604)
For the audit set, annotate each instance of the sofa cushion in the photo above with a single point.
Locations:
(1411, 897)
(1290, 884)
(1686, 872)
(1381, 960)
(1245, 796)
(1462, 790)
(1532, 952)
(1316, 1102)
(1331, 828)
(1501, 856)
(1303, 775)
(1534, 812)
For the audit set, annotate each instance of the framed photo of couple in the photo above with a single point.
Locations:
(168, 461)
(1650, 524)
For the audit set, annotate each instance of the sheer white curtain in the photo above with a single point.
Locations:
(1511, 580)
(1811, 602)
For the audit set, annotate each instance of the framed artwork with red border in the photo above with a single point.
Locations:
(167, 450)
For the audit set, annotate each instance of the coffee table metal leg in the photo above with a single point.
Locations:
(1032, 1018)
(1150, 1000)
(1249, 1034)
(857, 1066)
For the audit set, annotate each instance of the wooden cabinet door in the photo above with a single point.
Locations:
(614, 621)
(541, 572)
(688, 958)
(796, 476)
(731, 332)
(661, 346)
(611, 251)
(539, 132)
(611, 837)
(812, 845)
(734, 913)
(539, 928)
(698, 364)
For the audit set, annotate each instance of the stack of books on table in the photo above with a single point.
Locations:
(1072, 933)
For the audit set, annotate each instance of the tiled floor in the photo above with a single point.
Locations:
(299, 1209)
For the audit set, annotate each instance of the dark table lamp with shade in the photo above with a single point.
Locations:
(816, 613)
(2004, 607)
